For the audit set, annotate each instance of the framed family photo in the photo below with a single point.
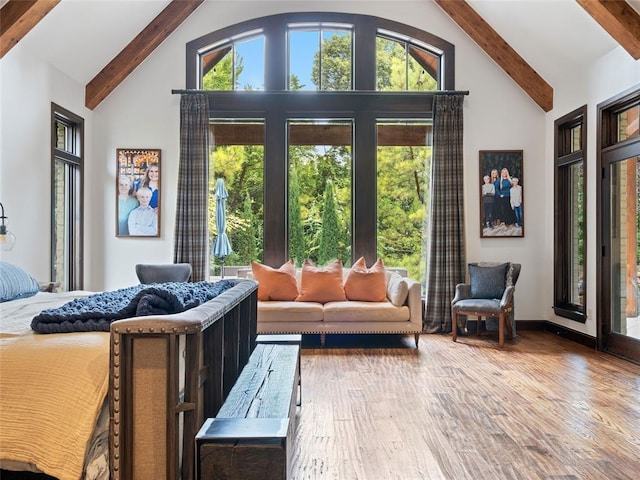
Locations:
(501, 193)
(137, 192)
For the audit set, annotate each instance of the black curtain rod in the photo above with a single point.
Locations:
(450, 92)
(183, 92)
(437, 92)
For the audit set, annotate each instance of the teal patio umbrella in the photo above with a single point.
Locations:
(222, 246)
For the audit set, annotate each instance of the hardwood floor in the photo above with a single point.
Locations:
(541, 408)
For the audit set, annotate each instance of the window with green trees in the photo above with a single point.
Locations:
(330, 158)
(570, 206)
(402, 65)
(237, 156)
(403, 177)
(320, 191)
(322, 54)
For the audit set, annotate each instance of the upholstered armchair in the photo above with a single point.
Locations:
(169, 272)
(488, 295)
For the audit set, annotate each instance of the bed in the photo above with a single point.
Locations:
(122, 404)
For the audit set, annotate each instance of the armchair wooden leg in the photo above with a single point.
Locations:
(501, 330)
(454, 324)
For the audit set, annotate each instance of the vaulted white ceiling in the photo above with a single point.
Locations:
(551, 35)
(81, 37)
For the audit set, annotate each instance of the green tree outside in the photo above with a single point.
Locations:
(334, 73)
(297, 250)
(330, 233)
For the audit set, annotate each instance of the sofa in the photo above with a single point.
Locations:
(396, 310)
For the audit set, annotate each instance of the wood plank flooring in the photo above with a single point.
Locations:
(541, 408)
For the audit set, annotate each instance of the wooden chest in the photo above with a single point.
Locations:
(244, 449)
(250, 438)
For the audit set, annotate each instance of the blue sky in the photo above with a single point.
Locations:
(304, 46)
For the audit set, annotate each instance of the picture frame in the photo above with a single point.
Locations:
(138, 199)
(501, 213)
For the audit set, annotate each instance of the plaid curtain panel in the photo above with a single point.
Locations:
(191, 234)
(446, 243)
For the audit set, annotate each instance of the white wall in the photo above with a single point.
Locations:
(143, 113)
(27, 87)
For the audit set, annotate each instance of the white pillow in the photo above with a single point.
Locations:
(16, 283)
(397, 289)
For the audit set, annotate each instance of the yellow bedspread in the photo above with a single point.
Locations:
(52, 388)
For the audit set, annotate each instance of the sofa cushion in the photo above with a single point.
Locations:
(321, 284)
(397, 289)
(289, 312)
(354, 311)
(275, 284)
(366, 284)
(487, 282)
(484, 305)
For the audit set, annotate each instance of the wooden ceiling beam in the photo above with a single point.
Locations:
(138, 49)
(500, 51)
(18, 17)
(619, 20)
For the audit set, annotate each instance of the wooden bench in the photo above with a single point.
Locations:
(250, 437)
(286, 339)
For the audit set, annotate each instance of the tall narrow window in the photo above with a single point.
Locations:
(67, 137)
(320, 190)
(237, 156)
(403, 160)
(570, 227)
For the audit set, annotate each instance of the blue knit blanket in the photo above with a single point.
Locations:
(96, 312)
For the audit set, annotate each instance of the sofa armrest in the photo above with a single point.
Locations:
(414, 302)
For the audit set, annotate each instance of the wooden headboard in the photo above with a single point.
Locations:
(168, 374)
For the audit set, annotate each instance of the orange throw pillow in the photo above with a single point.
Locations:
(366, 285)
(275, 284)
(321, 285)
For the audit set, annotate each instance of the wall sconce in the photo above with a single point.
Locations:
(7, 239)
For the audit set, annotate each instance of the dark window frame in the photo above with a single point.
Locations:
(74, 221)
(564, 159)
(364, 105)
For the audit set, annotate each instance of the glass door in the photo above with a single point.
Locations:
(625, 245)
(619, 228)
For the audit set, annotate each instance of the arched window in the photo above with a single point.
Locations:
(222, 66)
(307, 106)
(406, 65)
